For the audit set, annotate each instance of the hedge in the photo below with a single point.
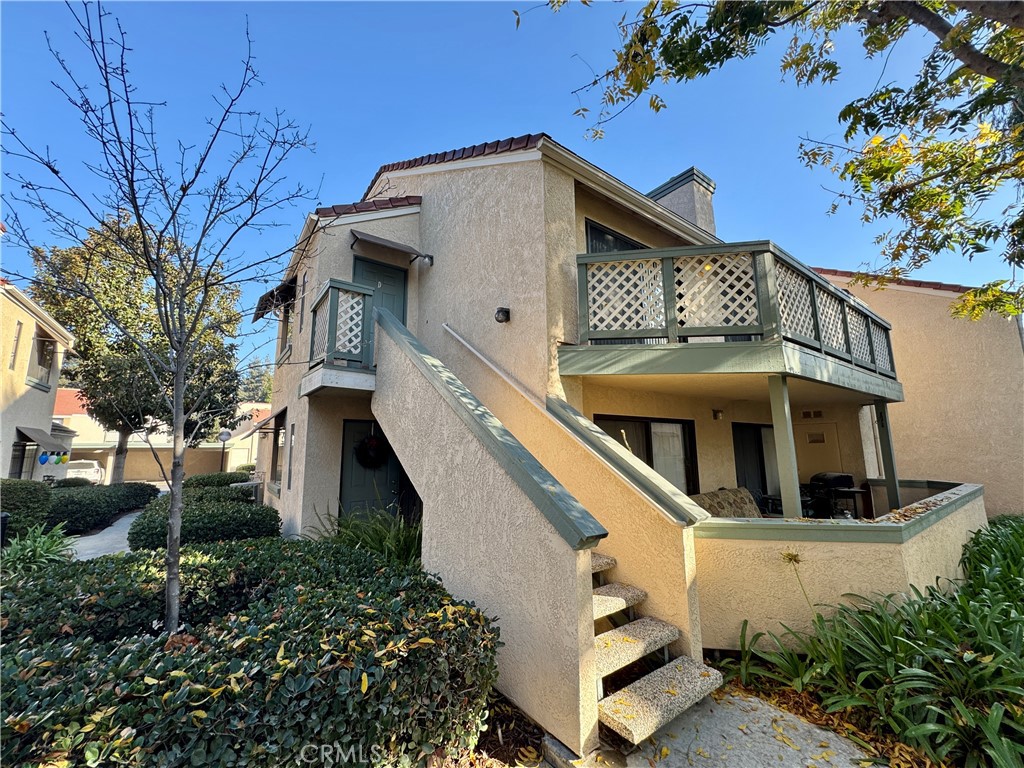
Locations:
(27, 502)
(86, 509)
(73, 482)
(215, 479)
(301, 644)
(204, 519)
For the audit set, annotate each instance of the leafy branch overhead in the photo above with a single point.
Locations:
(936, 156)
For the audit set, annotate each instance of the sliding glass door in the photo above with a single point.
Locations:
(668, 446)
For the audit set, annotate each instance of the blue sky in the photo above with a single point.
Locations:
(380, 82)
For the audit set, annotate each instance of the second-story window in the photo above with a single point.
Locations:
(40, 365)
(603, 240)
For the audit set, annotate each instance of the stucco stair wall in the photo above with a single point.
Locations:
(491, 539)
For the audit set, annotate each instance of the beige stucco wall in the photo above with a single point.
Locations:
(963, 417)
(21, 404)
(489, 543)
(716, 462)
(749, 579)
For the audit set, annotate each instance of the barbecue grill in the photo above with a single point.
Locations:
(825, 489)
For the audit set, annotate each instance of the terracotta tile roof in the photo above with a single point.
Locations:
(370, 205)
(932, 284)
(67, 402)
(512, 144)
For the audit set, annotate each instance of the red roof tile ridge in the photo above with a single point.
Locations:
(934, 285)
(511, 144)
(366, 206)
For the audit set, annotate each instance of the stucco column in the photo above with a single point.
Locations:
(892, 487)
(785, 446)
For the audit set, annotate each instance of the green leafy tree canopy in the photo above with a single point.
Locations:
(934, 152)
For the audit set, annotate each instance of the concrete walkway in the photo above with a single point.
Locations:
(736, 732)
(109, 541)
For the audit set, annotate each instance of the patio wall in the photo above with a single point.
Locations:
(742, 574)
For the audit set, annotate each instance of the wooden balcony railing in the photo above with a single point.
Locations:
(731, 292)
(341, 325)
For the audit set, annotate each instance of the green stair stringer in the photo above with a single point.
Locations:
(573, 522)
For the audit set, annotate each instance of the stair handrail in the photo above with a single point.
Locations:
(673, 504)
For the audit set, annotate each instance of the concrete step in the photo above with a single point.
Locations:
(599, 562)
(620, 647)
(641, 708)
(615, 597)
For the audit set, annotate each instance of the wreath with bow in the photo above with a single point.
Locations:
(372, 452)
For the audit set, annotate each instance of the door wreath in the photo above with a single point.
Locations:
(372, 452)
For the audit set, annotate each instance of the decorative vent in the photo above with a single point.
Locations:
(625, 295)
(795, 302)
(716, 290)
(812, 414)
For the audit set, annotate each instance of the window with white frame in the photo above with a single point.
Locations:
(41, 362)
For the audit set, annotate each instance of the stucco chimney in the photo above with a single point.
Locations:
(689, 195)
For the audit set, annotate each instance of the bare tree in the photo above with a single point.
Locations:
(191, 201)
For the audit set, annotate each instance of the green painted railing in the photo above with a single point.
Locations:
(340, 325)
(749, 291)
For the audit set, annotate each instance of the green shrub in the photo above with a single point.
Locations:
(942, 670)
(245, 468)
(86, 509)
(383, 532)
(302, 643)
(201, 494)
(72, 482)
(204, 520)
(27, 502)
(216, 479)
(34, 551)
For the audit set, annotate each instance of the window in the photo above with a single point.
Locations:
(291, 450)
(277, 459)
(284, 337)
(302, 302)
(669, 446)
(23, 461)
(14, 345)
(40, 365)
(603, 240)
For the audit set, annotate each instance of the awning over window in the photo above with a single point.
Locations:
(280, 296)
(40, 438)
(385, 243)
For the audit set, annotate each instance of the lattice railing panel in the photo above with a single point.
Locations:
(795, 306)
(859, 344)
(625, 295)
(318, 330)
(715, 290)
(830, 317)
(349, 337)
(879, 337)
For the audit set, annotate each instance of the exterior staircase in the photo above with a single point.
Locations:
(653, 698)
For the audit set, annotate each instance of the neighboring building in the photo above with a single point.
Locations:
(31, 352)
(544, 361)
(963, 417)
(95, 443)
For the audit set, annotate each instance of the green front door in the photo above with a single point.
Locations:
(388, 285)
(364, 485)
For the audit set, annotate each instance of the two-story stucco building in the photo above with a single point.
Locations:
(31, 351)
(561, 374)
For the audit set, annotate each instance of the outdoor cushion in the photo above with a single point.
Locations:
(728, 502)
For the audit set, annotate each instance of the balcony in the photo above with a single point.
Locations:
(737, 307)
(341, 339)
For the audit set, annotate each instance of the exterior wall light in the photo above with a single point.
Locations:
(503, 314)
(717, 415)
